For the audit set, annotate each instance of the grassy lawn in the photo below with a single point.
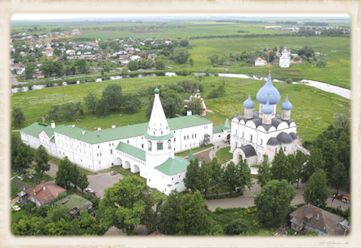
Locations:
(194, 150)
(246, 216)
(72, 201)
(223, 155)
(335, 49)
(313, 109)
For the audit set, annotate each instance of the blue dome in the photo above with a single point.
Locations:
(287, 105)
(267, 108)
(248, 104)
(268, 91)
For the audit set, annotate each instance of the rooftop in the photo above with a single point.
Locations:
(173, 166)
(131, 150)
(45, 192)
(104, 135)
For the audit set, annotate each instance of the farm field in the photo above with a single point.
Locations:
(313, 109)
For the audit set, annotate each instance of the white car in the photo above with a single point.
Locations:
(89, 190)
(16, 208)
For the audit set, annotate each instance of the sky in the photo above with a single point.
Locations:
(96, 16)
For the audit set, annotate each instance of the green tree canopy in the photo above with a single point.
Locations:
(17, 117)
(41, 161)
(316, 191)
(273, 203)
(264, 172)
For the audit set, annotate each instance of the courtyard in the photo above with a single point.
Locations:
(101, 181)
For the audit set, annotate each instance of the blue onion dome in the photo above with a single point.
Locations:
(268, 90)
(287, 105)
(248, 104)
(267, 109)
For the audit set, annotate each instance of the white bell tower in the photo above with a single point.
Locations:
(159, 137)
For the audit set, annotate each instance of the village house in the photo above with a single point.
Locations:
(322, 222)
(260, 62)
(44, 193)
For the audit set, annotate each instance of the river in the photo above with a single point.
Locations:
(345, 93)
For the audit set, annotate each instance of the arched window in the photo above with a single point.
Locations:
(169, 144)
(149, 145)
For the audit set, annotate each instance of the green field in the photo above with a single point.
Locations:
(313, 109)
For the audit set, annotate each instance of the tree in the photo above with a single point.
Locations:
(237, 177)
(133, 65)
(235, 227)
(180, 55)
(264, 172)
(192, 179)
(123, 204)
(195, 105)
(18, 117)
(131, 104)
(282, 168)
(273, 202)
(316, 191)
(339, 176)
(244, 173)
(314, 162)
(216, 176)
(102, 107)
(63, 175)
(205, 180)
(41, 161)
(112, 95)
(184, 43)
(24, 157)
(29, 70)
(91, 102)
(193, 215)
(159, 64)
(82, 181)
(169, 214)
(298, 160)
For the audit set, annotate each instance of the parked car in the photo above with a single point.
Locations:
(89, 190)
(16, 208)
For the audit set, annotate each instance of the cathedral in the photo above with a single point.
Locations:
(256, 133)
(149, 148)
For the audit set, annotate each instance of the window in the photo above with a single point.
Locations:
(284, 148)
(149, 145)
(142, 145)
(251, 138)
(127, 141)
(169, 144)
(159, 145)
(111, 151)
(174, 139)
(261, 142)
(98, 146)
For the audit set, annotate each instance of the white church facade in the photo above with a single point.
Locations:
(256, 133)
(285, 58)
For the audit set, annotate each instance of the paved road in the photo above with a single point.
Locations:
(100, 182)
(247, 199)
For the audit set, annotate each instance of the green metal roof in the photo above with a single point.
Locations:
(36, 128)
(131, 150)
(164, 137)
(104, 135)
(173, 166)
(218, 129)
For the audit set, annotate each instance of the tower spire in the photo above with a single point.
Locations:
(158, 124)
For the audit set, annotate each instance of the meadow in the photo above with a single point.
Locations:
(313, 109)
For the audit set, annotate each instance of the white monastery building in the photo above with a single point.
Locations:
(149, 148)
(146, 148)
(263, 132)
(285, 58)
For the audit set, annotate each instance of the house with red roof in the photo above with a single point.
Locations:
(44, 193)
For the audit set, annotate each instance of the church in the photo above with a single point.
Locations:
(256, 133)
(149, 148)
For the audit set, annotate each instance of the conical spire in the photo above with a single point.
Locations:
(158, 125)
(226, 124)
